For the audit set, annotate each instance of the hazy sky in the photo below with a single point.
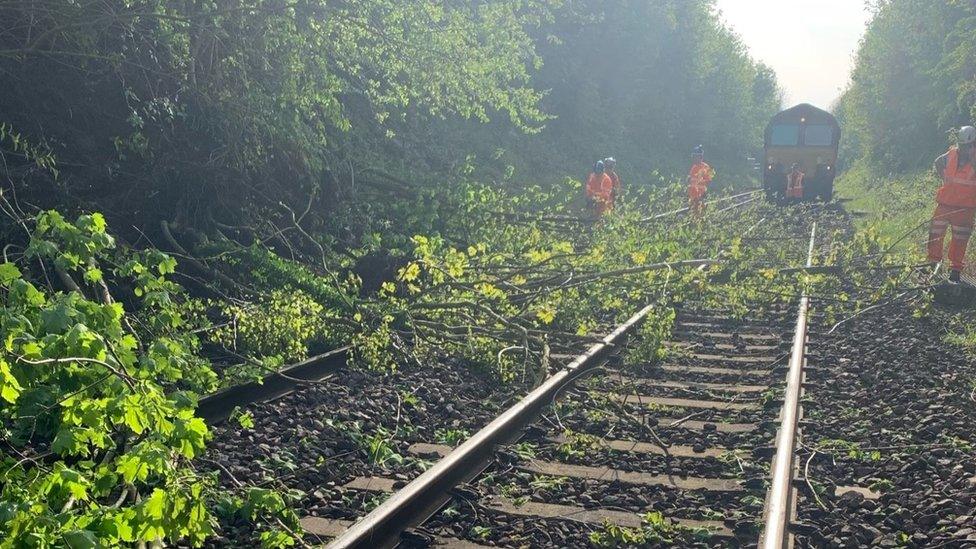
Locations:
(809, 43)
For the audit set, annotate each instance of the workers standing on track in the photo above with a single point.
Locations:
(599, 190)
(794, 183)
(956, 202)
(700, 175)
(611, 168)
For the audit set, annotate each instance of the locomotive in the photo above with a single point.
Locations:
(809, 138)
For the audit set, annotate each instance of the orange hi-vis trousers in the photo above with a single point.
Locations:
(696, 199)
(962, 221)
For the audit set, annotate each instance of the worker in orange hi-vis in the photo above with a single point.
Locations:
(794, 183)
(599, 190)
(611, 168)
(699, 177)
(956, 202)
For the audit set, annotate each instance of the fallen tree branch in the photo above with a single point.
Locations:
(168, 235)
(639, 270)
(67, 281)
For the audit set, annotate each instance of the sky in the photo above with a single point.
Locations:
(809, 43)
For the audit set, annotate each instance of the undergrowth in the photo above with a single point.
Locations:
(898, 210)
(105, 354)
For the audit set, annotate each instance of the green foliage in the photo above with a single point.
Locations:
(373, 348)
(237, 102)
(849, 449)
(480, 532)
(243, 418)
(577, 445)
(494, 291)
(881, 485)
(13, 143)
(525, 450)
(239, 116)
(298, 149)
(451, 437)
(545, 482)
(650, 339)
(100, 432)
(259, 505)
(99, 396)
(278, 328)
(269, 271)
(656, 529)
(378, 446)
(902, 217)
(912, 81)
(695, 83)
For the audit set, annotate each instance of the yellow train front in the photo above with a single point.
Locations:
(808, 137)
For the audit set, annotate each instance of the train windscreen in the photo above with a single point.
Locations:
(818, 136)
(785, 135)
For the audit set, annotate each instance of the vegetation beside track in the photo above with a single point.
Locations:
(100, 390)
(910, 88)
(901, 217)
(99, 380)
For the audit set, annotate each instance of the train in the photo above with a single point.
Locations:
(806, 136)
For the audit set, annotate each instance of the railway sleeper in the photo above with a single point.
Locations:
(532, 509)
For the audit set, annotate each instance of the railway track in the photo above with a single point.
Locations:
(690, 449)
(679, 451)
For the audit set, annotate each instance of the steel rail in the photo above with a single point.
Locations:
(219, 406)
(707, 203)
(739, 204)
(422, 497)
(779, 500)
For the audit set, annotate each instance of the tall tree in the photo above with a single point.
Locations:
(913, 80)
(199, 108)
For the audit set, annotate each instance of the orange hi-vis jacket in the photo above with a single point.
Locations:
(615, 179)
(794, 184)
(699, 177)
(599, 189)
(958, 183)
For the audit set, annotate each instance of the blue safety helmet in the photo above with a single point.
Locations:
(700, 150)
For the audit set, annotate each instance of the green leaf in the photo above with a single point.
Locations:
(134, 417)
(155, 506)
(74, 482)
(8, 273)
(93, 274)
(97, 223)
(10, 388)
(57, 319)
(167, 266)
(245, 419)
(81, 539)
(25, 293)
(132, 468)
(65, 442)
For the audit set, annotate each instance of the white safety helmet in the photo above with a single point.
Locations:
(967, 135)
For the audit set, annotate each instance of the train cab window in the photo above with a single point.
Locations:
(785, 135)
(818, 136)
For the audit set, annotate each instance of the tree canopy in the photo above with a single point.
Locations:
(914, 79)
(201, 112)
(180, 101)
